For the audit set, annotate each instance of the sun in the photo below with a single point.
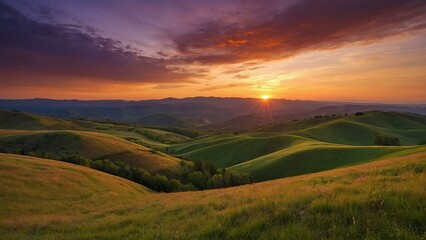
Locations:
(265, 97)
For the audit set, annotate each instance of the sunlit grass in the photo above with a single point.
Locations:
(92, 145)
(378, 200)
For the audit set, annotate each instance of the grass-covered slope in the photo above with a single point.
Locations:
(43, 199)
(39, 135)
(91, 145)
(304, 159)
(28, 121)
(310, 145)
(164, 120)
(145, 136)
(357, 130)
(154, 138)
(50, 186)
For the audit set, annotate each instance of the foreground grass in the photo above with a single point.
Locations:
(43, 199)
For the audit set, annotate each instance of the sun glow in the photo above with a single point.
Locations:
(265, 97)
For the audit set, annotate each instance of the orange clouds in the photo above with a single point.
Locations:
(304, 26)
(224, 48)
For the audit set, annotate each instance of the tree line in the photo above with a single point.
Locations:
(195, 176)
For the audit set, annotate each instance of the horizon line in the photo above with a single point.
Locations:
(182, 98)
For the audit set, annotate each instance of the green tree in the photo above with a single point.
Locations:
(197, 179)
(216, 181)
(384, 140)
(174, 185)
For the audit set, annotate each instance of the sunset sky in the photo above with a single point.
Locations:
(344, 50)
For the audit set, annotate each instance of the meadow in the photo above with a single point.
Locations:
(378, 200)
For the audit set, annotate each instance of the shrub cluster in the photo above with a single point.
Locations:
(154, 137)
(204, 175)
(384, 140)
(156, 182)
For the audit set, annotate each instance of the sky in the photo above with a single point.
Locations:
(330, 50)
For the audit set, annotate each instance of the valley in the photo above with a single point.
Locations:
(306, 173)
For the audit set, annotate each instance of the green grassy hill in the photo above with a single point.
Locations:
(28, 121)
(270, 152)
(91, 145)
(304, 159)
(44, 199)
(307, 146)
(153, 138)
(240, 123)
(164, 120)
(50, 186)
(357, 130)
(146, 136)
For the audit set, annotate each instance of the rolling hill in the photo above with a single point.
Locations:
(240, 123)
(44, 199)
(311, 145)
(164, 120)
(29, 182)
(153, 138)
(214, 111)
(28, 121)
(150, 137)
(357, 130)
(91, 145)
(269, 152)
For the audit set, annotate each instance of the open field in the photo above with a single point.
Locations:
(378, 200)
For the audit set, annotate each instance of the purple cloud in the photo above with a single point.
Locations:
(29, 47)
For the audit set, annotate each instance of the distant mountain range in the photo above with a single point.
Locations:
(205, 112)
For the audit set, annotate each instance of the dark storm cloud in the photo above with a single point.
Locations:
(29, 47)
(303, 26)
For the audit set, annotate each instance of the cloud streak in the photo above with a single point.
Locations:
(304, 26)
(226, 86)
(154, 48)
